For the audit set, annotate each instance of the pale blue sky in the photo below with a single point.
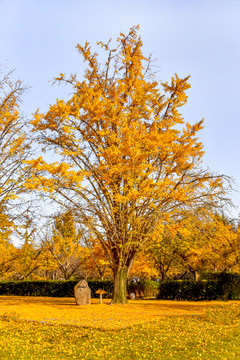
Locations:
(188, 37)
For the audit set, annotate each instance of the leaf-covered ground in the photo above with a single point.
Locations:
(64, 311)
(213, 335)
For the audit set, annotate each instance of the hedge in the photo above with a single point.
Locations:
(143, 288)
(52, 288)
(216, 286)
(228, 283)
(220, 287)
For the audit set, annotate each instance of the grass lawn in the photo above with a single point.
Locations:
(143, 329)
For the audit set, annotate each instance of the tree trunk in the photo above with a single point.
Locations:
(120, 287)
(196, 275)
(163, 274)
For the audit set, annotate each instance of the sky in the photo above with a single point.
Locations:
(200, 38)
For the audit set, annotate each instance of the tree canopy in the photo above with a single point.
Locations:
(125, 156)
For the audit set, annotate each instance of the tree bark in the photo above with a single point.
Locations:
(120, 286)
(196, 275)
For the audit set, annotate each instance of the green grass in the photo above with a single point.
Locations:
(214, 336)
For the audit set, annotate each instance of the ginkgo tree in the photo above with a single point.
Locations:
(7, 250)
(212, 245)
(96, 261)
(62, 246)
(127, 157)
(14, 143)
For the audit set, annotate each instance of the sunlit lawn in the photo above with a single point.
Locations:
(143, 329)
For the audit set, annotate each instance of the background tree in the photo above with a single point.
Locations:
(62, 246)
(199, 241)
(7, 249)
(127, 157)
(164, 251)
(96, 264)
(212, 246)
(144, 267)
(27, 260)
(14, 147)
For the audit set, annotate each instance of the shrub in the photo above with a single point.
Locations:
(52, 288)
(169, 290)
(228, 284)
(221, 288)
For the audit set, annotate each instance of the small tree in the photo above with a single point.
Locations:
(62, 246)
(7, 249)
(127, 157)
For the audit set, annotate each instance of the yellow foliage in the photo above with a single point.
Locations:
(61, 248)
(101, 316)
(144, 267)
(127, 156)
(14, 145)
